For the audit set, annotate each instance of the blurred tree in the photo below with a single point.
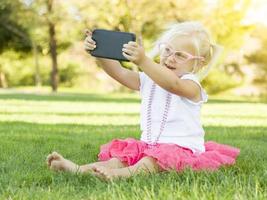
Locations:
(52, 42)
(51, 30)
(13, 35)
(53, 25)
(259, 57)
(225, 20)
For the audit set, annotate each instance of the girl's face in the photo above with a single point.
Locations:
(179, 55)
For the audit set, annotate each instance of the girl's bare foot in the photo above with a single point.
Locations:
(56, 162)
(105, 173)
(145, 165)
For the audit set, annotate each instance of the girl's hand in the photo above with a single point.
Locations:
(134, 52)
(89, 43)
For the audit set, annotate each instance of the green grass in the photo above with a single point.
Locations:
(31, 126)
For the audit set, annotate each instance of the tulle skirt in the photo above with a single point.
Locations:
(170, 156)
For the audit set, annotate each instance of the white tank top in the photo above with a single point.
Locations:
(183, 126)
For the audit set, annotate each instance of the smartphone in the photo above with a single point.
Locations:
(109, 43)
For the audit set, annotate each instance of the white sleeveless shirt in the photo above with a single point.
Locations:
(183, 126)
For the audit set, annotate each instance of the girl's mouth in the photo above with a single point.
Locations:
(169, 67)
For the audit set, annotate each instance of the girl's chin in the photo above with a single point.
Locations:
(178, 73)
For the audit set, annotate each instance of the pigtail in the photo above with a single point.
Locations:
(216, 50)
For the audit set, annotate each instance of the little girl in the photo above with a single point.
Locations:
(172, 136)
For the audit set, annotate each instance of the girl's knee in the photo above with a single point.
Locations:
(148, 159)
(151, 163)
(114, 160)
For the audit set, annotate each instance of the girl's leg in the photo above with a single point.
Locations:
(57, 162)
(113, 163)
(146, 165)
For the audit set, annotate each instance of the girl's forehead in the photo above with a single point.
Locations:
(182, 43)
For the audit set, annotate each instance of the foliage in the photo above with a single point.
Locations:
(218, 81)
(68, 74)
(143, 18)
(259, 56)
(13, 34)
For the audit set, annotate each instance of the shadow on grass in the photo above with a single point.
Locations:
(90, 97)
(236, 101)
(73, 97)
(113, 114)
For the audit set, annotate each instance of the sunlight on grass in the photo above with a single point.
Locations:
(103, 113)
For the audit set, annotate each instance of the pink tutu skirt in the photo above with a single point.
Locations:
(169, 156)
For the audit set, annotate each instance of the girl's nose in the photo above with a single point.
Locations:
(171, 58)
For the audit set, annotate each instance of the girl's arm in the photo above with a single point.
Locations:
(124, 76)
(113, 68)
(163, 76)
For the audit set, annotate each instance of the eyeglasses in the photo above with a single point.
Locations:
(179, 56)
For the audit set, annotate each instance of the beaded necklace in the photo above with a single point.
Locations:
(149, 117)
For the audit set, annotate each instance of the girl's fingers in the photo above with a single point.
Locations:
(140, 40)
(132, 43)
(132, 48)
(127, 56)
(128, 51)
(88, 32)
(89, 46)
(89, 40)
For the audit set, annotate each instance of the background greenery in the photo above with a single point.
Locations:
(33, 55)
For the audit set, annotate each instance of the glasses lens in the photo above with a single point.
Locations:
(180, 56)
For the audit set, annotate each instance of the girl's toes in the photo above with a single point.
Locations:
(56, 155)
(99, 172)
(102, 170)
(105, 173)
(49, 159)
(53, 156)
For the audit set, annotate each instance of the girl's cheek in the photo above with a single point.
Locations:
(162, 60)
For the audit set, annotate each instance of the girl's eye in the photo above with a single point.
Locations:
(167, 49)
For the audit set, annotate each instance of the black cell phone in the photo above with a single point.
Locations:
(109, 43)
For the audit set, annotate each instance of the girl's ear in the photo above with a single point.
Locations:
(202, 63)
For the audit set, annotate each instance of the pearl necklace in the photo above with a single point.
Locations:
(149, 117)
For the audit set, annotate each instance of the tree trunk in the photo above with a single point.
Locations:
(53, 48)
(53, 54)
(38, 81)
(3, 83)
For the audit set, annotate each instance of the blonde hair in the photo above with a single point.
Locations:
(201, 40)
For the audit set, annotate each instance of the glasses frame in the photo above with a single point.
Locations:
(189, 56)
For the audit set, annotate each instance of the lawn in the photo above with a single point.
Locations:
(76, 124)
